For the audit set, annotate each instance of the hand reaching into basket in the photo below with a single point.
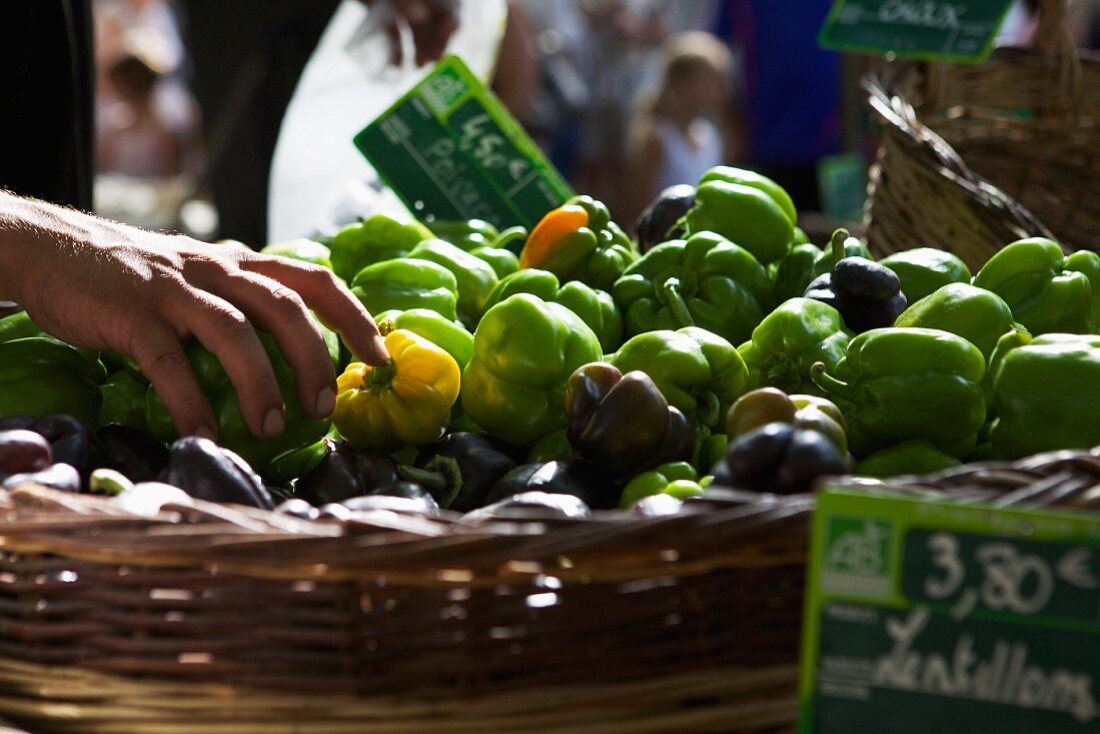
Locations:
(107, 286)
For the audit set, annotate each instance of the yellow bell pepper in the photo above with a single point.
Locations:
(407, 400)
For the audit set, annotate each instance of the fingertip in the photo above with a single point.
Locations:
(326, 402)
(274, 422)
(378, 352)
(205, 432)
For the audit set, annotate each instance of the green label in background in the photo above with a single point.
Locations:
(946, 30)
(930, 617)
(842, 181)
(450, 151)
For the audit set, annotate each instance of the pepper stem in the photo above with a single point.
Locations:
(837, 244)
(509, 236)
(828, 383)
(380, 377)
(385, 326)
(712, 408)
(432, 481)
(680, 312)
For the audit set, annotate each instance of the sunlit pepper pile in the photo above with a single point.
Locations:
(578, 368)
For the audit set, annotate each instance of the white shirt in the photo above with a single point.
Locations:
(684, 160)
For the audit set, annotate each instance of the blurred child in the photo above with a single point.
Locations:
(133, 139)
(678, 135)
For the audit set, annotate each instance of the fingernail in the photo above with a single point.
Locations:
(274, 422)
(326, 401)
(205, 432)
(380, 349)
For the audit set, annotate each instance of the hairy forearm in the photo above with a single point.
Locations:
(17, 233)
(29, 228)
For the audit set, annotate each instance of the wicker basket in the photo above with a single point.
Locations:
(974, 156)
(222, 619)
(209, 618)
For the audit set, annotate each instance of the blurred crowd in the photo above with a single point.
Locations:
(626, 97)
(149, 149)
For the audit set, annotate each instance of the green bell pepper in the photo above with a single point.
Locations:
(288, 466)
(787, 343)
(503, 262)
(554, 446)
(525, 350)
(977, 315)
(40, 375)
(805, 262)
(678, 479)
(578, 241)
(697, 371)
(1044, 396)
(464, 234)
(704, 281)
(451, 336)
(745, 177)
(795, 271)
(302, 249)
(123, 401)
(1047, 291)
(18, 326)
(407, 283)
(474, 277)
(373, 240)
(924, 270)
(709, 450)
(909, 383)
(743, 214)
(233, 433)
(596, 308)
(917, 456)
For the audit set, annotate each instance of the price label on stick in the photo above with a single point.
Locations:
(929, 616)
(943, 30)
(451, 151)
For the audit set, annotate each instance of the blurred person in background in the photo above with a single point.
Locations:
(149, 152)
(560, 35)
(132, 137)
(247, 58)
(107, 286)
(623, 38)
(622, 60)
(1083, 20)
(680, 132)
(792, 97)
(283, 83)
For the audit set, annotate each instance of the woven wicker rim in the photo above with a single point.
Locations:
(405, 549)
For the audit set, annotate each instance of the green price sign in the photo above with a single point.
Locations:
(450, 151)
(928, 616)
(944, 30)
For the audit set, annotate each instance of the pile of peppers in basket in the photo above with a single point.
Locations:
(579, 368)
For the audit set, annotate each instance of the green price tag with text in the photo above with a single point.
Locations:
(941, 30)
(450, 151)
(930, 617)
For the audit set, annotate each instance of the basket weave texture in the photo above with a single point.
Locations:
(218, 618)
(224, 619)
(975, 156)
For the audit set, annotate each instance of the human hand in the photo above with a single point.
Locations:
(107, 286)
(432, 23)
